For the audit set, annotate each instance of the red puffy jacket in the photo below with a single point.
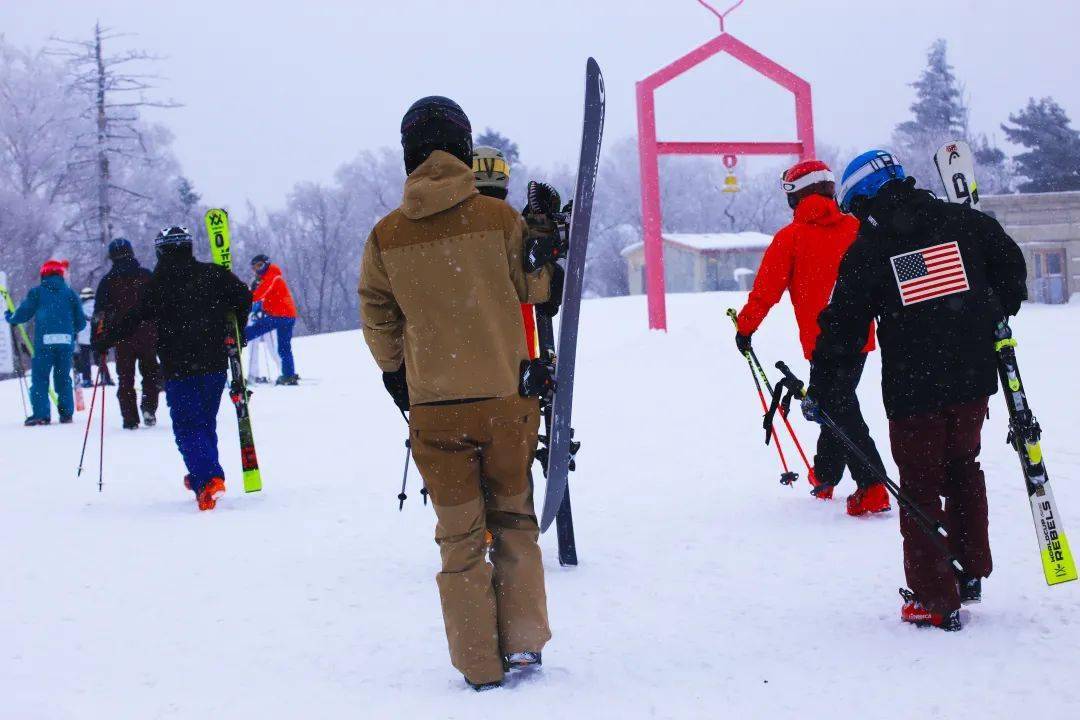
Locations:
(804, 259)
(274, 294)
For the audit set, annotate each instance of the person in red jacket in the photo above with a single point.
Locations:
(804, 259)
(274, 310)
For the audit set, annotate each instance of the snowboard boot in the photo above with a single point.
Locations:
(131, 425)
(518, 660)
(149, 418)
(207, 497)
(871, 499)
(913, 612)
(483, 687)
(66, 420)
(35, 421)
(970, 589)
(820, 490)
(288, 380)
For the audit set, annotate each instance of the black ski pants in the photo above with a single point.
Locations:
(842, 405)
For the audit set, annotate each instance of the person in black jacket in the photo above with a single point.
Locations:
(937, 278)
(192, 304)
(117, 294)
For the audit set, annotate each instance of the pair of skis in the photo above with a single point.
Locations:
(5, 295)
(559, 446)
(956, 166)
(217, 229)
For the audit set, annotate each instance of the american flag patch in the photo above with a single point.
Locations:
(930, 273)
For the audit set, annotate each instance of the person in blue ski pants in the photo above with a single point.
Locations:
(192, 303)
(58, 318)
(193, 408)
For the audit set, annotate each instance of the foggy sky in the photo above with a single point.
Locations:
(280, 92)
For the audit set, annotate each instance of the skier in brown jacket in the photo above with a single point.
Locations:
(441, 284)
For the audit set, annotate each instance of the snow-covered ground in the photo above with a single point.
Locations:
(705, 588)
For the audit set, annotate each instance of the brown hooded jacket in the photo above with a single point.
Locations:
(441, 284)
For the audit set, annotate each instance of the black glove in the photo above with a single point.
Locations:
(554, 301)
(742, 342)
(99, 338)
(543, 245)
(396, 384)
(537, 378)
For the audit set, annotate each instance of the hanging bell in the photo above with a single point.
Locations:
(731, 184)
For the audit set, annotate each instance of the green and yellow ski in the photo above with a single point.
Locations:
(217, 229)
(25, 338)
(1024, 435)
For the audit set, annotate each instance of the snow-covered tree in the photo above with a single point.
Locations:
(35, 135)
(495, 139)
(121, 169)
(1052, 160)
(939, 115)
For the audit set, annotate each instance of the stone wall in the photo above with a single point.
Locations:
(1047, 228)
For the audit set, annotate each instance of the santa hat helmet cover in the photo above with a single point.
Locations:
(804, 174)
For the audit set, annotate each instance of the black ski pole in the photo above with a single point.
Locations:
(20, 371)
(405, 475)
(930, 526)
(89, 422)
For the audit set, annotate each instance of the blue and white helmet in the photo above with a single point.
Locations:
(867, 174)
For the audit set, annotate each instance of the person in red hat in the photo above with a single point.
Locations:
(804, 259)
(58, 317)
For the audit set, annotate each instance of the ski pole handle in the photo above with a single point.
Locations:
(793, 382)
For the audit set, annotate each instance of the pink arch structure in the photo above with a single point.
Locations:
(649, 148)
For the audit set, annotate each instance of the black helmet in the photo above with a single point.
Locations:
(175, 235)
(120, 247)
(260, 262)
(435, 123)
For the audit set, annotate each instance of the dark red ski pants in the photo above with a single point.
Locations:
(937, 454)
(141, 348)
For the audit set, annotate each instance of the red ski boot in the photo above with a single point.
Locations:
(207, 498)
(872, 499)
(913, 612)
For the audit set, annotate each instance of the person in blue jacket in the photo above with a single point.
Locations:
(58, 317)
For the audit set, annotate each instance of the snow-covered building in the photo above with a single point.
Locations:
(1047, 228)
(699, 263)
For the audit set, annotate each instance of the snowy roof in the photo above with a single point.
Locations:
(712, 242)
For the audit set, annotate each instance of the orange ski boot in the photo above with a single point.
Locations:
(207, 497)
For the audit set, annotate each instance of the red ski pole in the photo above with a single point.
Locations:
(89, 422)
(101, 449)
(787, 477)
(756, 369)
(787, 423)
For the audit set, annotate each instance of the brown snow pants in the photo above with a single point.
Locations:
(475, 458)
(937, 455)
